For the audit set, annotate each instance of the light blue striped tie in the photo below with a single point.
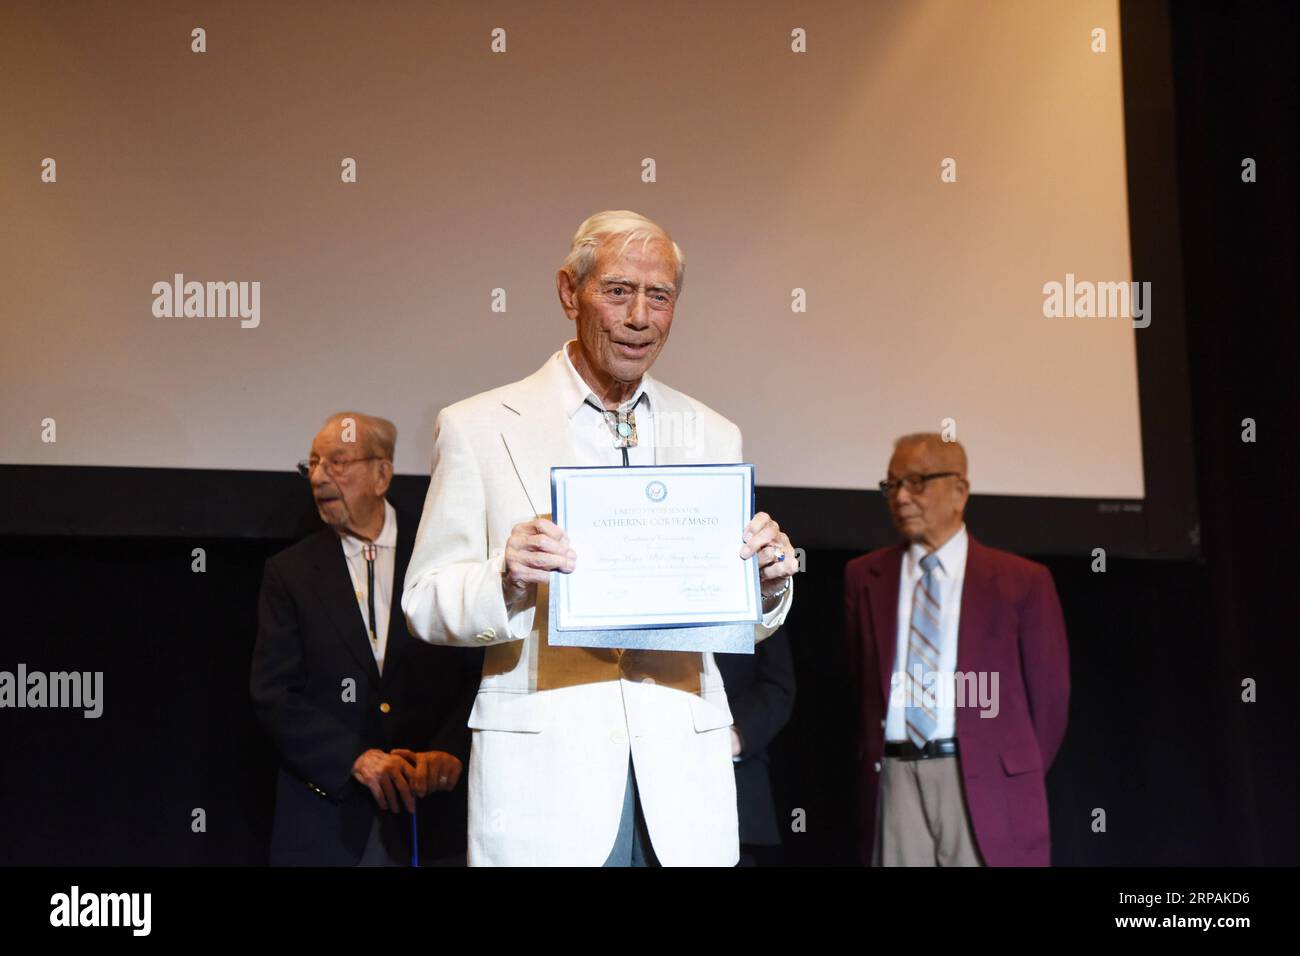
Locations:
(922, 653)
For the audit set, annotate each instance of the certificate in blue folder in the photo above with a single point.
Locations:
(657, 558)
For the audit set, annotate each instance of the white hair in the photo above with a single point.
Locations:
(610, 225)
(379, 434)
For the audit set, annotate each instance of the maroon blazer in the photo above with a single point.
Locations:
(1011, 623)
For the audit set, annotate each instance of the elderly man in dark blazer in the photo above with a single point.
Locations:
(369, 723)
(959, 655)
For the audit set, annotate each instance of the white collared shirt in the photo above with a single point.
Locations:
(385, 565)
(593, 439)
(948, 576)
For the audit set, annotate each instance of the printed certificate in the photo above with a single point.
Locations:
(657, 548)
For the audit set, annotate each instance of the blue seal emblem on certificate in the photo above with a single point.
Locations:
(655, 570)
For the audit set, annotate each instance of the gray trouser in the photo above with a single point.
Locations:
(923, 818)
(632, 844)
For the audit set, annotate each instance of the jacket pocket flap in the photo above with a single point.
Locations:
(497, 710)
(1021, 760)
(710, 713)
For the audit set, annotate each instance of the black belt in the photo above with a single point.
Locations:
(906, 750)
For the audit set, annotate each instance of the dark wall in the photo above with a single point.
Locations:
(1158, 736)
(177, 731)
(1238, 96)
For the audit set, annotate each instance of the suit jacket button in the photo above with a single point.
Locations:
(882, 725)
(876, 766)
(385, 707)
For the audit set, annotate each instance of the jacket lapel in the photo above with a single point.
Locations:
(976, 607)
(398, 635)
(536, 434)
(883, 590)
(335, 591)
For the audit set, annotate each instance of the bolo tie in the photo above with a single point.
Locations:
(622, 424)
(370, 551)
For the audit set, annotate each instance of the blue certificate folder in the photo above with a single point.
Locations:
(659, 495)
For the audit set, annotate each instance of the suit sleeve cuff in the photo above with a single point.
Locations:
(514, 620)
(774, 618)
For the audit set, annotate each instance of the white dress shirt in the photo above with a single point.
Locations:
(385, 564)
(948, 577)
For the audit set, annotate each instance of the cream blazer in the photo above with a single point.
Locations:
(553, 726)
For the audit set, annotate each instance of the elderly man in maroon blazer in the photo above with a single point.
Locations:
(959, 659)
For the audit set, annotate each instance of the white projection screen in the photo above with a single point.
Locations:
(775, 170)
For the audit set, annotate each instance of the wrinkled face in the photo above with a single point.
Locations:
(934, 514)
(625, 308)
(347, 495)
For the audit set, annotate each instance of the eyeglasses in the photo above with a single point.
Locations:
(333, 466)
(915, 484)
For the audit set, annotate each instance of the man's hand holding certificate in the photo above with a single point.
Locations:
(648, 557)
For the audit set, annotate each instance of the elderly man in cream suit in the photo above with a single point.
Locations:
(582, 756)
